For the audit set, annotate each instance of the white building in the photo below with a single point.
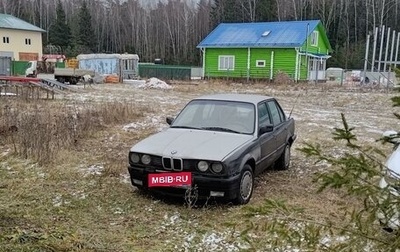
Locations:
(20, 40)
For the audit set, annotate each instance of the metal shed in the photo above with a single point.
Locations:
(123, 65)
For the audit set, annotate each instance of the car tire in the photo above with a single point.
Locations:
(141, 190)
(283, 161)
(246, 186)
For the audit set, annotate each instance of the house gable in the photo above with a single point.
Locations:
(322, 47)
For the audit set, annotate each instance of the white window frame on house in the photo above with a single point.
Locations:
(226, 62)
(314, 38)
(6, 40)
(260, 63)
(28, 41)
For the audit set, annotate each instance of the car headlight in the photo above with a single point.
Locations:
(202, 166)
(216, 168)
(146, 159)
(135, 158)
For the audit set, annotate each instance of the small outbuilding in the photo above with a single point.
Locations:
(263, 50)
(123, 65)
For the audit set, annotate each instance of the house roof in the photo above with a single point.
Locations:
(287, 34)
(11, 22)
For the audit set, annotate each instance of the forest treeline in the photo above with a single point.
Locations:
(171, 29)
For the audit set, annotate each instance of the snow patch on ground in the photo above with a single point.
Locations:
(59, 201)
(328, 241)
(171, 220)
(125, 178)
(5, 152)
(80, 195)
(118, 210)
(214, 241)
(92, 170)
(148, 122)
(154, 83)
(226, 240)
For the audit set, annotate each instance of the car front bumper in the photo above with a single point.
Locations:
(205, 186)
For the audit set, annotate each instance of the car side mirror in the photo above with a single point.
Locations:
(266, 129)
(170, 120)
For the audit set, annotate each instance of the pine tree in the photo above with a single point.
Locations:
(59, 32)
(225, 11)
(266, 11)
(85, 37)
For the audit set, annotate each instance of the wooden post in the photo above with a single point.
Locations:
(366, 59)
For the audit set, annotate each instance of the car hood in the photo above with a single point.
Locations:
(393, 163)
(192, 144)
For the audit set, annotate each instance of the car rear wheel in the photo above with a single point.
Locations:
(283, 162)
(246, 186)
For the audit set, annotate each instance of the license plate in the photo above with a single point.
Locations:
(170, 179)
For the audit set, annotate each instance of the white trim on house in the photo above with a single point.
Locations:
(248, 63)
(313, 55)
(296, 72)
(203, 50)
(271, 75)
(260, 63)
(314, 38)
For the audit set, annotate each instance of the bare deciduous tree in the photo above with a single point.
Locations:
(171, 29)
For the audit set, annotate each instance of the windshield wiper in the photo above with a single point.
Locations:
(221, 129)
(184, 127)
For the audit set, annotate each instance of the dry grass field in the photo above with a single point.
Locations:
(64, 184)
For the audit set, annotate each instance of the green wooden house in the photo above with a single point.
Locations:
(262, 50)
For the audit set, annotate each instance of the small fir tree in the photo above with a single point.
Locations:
(85, 37)
(355, 172)
(60, 32)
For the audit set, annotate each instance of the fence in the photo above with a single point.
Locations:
(166, 72)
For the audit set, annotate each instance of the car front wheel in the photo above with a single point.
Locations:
(246, 185)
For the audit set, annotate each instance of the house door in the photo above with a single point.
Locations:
(317, 68)
(5, 66)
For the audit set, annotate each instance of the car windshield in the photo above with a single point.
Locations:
(228, 116)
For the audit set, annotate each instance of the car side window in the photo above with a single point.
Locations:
(276, 114)
(263, 116)
(281, 113)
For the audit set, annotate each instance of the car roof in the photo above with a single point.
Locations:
(250, 98)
